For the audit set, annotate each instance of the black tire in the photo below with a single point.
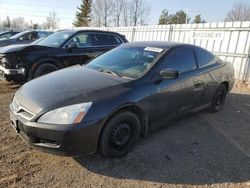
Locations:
(43, 69)
(218, 99)
(8, 78)
(120, 134)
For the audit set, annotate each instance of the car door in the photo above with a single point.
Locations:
(210, 75)
(177, 96)
(105, 42)
(79, 50)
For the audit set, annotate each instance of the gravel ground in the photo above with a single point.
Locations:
(201, 149)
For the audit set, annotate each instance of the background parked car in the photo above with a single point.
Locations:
(24, 37)
(7, 34)
(62, 49)
(121, 94)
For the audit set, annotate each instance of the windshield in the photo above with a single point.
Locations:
(56, 39)
(130, 62)
(19, 35)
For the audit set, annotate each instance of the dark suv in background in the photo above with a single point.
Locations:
(21, 63)
(24, 37)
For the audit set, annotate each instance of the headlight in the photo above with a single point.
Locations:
(66, 115)
(4, 60)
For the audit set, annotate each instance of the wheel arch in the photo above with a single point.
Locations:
(53, 61)
(132, 107)
(226, 84)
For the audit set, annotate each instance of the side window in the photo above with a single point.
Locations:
(181, 59)
(82, 40)
(204, 57)
(24, 37)
(33, 36)
(118, 40)
(5, 36)
(106, 40)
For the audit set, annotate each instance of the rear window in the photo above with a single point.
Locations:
(204, 57)
(107, 39)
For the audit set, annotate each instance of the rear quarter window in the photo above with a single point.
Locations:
(204, 57)
(107, 40)
(181, 59)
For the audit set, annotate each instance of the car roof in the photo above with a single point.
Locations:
(95, 31)
(155, 44)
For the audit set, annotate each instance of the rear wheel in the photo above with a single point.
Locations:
(218, 99)
(43, 69)
(120, 134)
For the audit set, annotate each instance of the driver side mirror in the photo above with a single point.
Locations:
(169, 74)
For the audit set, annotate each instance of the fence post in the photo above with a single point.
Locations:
(133, 34)
(170, 33)
(247, 69)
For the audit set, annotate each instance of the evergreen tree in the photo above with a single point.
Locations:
(164, 17)
(198, 19)
(179, 17)
(83, 14)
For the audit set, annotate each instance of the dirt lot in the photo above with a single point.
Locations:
(199, 150)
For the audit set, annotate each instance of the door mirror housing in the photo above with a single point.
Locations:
(169, 74)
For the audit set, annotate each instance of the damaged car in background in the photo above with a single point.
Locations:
(21, 63)
(127, 92)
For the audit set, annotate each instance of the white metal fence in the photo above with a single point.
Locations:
(229, 40)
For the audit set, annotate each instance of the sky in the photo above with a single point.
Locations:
(38, 10)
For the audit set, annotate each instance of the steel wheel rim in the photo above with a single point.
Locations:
(120, 136)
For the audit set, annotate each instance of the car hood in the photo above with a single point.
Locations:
(69, 86)
(14, 48)
(24, 48)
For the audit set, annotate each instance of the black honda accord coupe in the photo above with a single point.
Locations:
(127, 92)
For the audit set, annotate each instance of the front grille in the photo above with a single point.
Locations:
(8, 61)
(21, 111)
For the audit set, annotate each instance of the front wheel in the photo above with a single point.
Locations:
(43, 69)
(218, 99)
(120, 134)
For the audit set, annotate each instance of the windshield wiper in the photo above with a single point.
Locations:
(110, 72)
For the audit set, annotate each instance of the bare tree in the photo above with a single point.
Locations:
(239, 12)
(52, 21)
(125, 13)
(7, 22)
(118, 8)
(102, 12)
(139, 11)
(19, 22)
(120, 12)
